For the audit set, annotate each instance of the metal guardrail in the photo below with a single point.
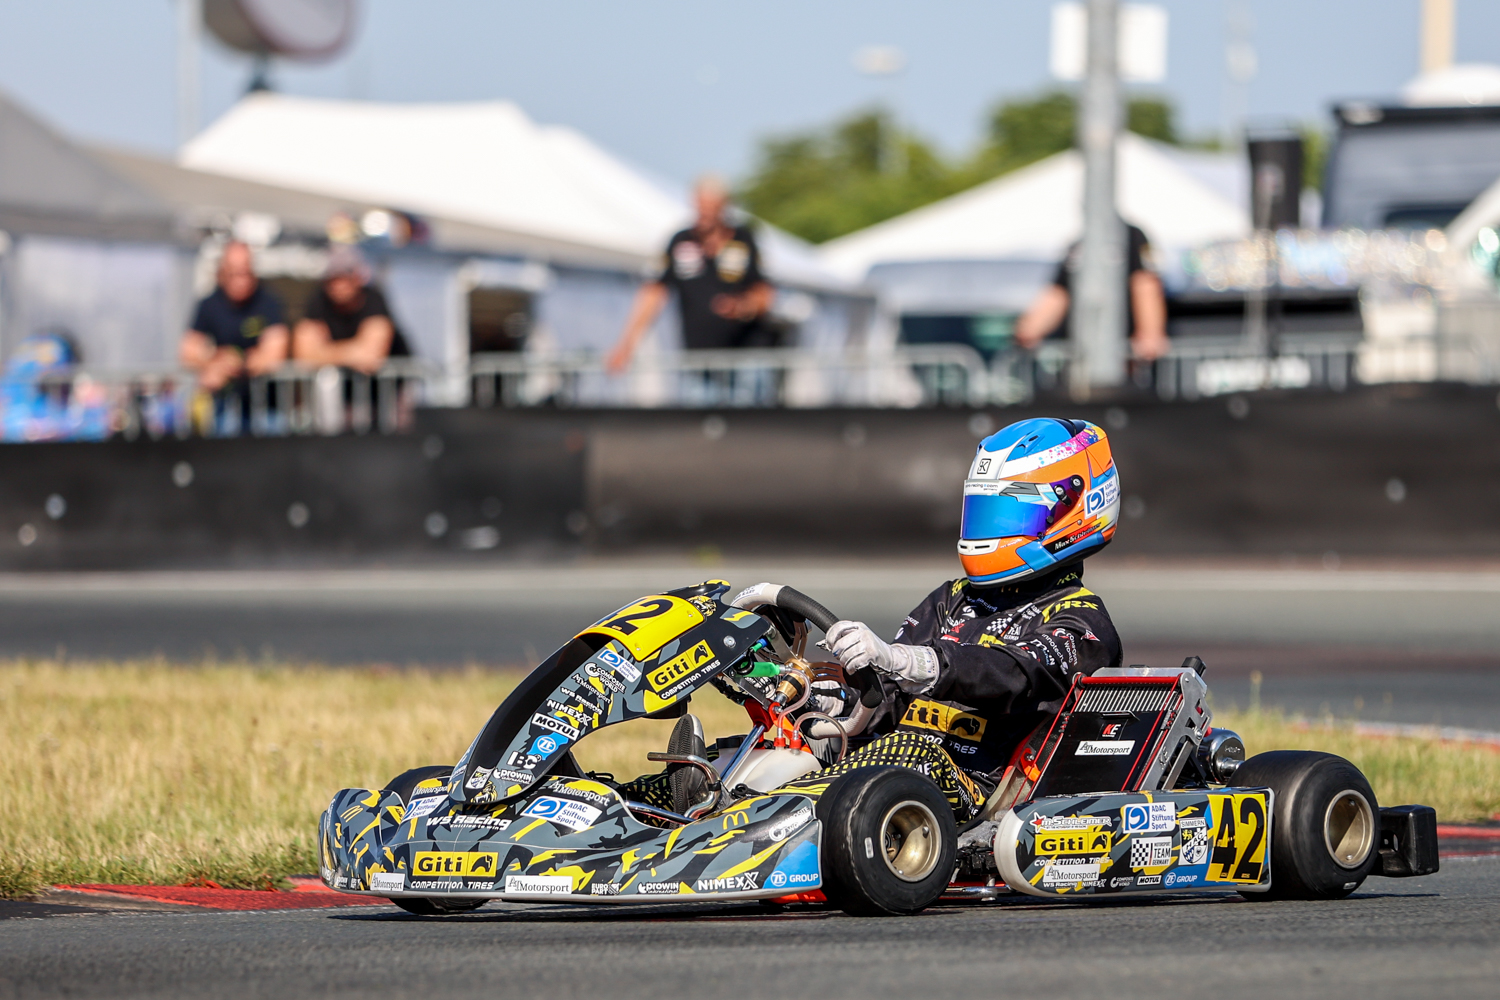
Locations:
(84, 403)
(916, 375)
(95, 404)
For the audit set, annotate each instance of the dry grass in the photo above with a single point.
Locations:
(145, 772)
(1460, 780)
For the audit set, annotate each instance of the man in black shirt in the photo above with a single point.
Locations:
(348, 322)
(1146, 303)
(715, 270)
(237, 331)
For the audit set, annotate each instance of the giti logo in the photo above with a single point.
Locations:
(944, 719)
(454, 864)
(1111, 730)
(1075, 842)
(680, 666)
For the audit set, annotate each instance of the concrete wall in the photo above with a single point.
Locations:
(1391, 470)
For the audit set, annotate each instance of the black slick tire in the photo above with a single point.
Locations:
(426, 907)
(889, 842)
(1325, 825)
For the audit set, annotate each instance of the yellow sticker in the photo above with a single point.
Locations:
(680, 666)
(454, 864)
(1239, 837)
(1092, 841)
(924, 714)
(649, 624)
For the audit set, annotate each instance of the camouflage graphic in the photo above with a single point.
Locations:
(1137, 842)
(596, 681)
(573, 838)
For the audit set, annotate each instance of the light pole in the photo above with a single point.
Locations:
(189, 33)
(1098, 314)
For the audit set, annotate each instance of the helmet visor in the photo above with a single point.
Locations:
(999, 509)
(1003, 517)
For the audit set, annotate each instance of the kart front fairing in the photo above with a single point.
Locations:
(642, 659)
(518, 820)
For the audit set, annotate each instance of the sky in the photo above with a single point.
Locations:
(684, 86)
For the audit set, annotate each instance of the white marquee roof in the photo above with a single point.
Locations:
(1181, 200)
(483, 162)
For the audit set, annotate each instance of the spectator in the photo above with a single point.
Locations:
(715, 269)
(348, 322)
(1146, 307)
(238, 331)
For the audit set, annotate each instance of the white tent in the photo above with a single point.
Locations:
(484, 162)
(1027, 219)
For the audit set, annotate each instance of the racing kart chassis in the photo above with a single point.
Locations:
(1128, 788)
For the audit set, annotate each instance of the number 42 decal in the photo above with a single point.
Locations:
(1239, 844)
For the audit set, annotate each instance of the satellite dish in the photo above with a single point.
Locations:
(295, 29)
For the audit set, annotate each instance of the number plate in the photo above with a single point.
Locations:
(649, 624)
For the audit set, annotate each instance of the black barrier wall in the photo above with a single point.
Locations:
(1396, 470)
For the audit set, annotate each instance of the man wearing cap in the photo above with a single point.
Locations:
(347, 323)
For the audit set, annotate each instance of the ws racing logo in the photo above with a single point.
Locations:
(454, 864)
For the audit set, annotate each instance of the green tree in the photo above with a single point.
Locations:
(865, 169)
(824, 184)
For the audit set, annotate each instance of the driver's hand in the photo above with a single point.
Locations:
(914, 668)
(857, 646)
(830, 697)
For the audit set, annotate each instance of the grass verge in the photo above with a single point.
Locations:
(150, 773)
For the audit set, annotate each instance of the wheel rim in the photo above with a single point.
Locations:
(1349, 829)
(912, 841)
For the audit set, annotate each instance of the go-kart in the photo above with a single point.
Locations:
(1128, 789)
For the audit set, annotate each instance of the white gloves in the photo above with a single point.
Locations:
(914, 668)
(829, 697)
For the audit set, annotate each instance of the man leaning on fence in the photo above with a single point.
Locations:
(348, 323)
(239, 331)
(714, 268)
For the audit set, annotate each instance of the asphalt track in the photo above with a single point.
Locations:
(1417, 646)
(1433, 937)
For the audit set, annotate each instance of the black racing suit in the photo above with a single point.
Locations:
(1006, 658)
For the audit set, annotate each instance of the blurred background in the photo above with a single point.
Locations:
(347, 330)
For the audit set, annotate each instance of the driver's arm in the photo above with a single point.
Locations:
(1073, 634)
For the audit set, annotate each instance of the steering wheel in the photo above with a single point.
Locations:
(771, 598)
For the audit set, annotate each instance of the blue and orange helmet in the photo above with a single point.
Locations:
(1041, 492)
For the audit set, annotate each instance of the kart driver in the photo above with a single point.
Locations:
(985, 658)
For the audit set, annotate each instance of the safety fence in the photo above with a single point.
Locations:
(93, 405)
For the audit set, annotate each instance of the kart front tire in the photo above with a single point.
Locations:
(425, 907)
(889, 841)
(1325, 825)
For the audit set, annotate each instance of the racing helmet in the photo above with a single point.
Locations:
(1041, 493)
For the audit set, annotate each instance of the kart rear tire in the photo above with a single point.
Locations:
(406, 782)
(426, 907)
(1325, 825)
(889, 842)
